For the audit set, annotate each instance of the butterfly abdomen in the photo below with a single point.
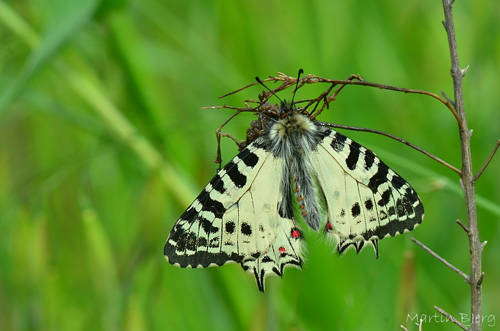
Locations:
(292, 139)
(305, 193)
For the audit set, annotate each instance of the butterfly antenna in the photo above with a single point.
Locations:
(297, 84)
(267, 88)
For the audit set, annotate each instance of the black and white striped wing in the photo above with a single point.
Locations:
(235, 219)
(365, 199)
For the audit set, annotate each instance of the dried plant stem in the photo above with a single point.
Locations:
(352, 80)
(467, 177)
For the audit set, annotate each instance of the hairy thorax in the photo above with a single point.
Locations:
(292, 125)
(293, 136)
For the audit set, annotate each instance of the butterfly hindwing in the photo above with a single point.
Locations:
(285, 251)
(366, 200)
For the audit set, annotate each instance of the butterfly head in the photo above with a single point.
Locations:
(288, 109)
(269, 114)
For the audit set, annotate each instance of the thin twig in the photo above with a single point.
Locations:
(287, 82)
(435, 158)
(239, 109)
(446, 263)
(466, 229)
(240, 89)
(450, 318)
(480, 172)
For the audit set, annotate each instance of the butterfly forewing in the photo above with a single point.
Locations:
(196, 239)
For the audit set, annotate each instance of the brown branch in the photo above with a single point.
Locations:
(450, 318)
(435, 158)
(446, 263)
(480, 172)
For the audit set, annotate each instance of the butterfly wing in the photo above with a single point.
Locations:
(365, 199)
(236, 219)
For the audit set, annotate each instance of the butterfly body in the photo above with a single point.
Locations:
(293, 139)
(246, 212)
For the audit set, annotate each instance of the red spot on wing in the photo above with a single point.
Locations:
(328, 226)
(295, 233)
(282, 250)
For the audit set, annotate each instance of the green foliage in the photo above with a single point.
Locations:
(103, 144)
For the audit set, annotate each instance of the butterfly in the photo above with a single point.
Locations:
(296, 167)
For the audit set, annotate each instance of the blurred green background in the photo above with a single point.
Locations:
(103, 145)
